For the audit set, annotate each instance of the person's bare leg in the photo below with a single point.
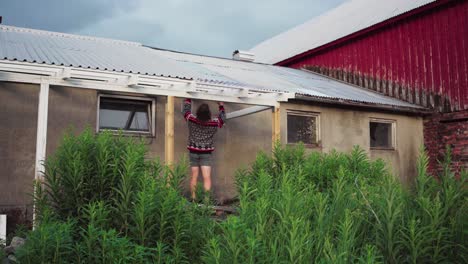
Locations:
(193, 181)
(206, 173)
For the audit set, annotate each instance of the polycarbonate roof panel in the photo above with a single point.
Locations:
(347, 18)
(53, 48)
(275, 78)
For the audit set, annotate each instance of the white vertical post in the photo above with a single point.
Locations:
(41, 139)
(3, 224)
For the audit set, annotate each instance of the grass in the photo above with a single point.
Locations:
(104, 202)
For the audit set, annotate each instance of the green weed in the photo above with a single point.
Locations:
(104, 201)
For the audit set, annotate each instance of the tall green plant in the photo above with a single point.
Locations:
(51, 242)
(104, 201)
(123, 206)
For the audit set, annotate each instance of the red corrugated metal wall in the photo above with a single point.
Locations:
(421, 58)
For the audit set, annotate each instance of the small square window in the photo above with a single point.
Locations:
(128, 115)
(382, 134)
(303, 127)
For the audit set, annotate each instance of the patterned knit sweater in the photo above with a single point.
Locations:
(201, 133)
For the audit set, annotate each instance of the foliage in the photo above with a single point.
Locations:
(51, 242)
(103, 201)
(341, 208)
(113, 206)
(2, 253)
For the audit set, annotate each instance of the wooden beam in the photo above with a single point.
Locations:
(169, 131)
(276, 128)
(178, 90)
(135, 83)
(132, 80)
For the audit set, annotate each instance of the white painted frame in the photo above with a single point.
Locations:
(25, 72)
(306, 114)
(393, 124)
(246, 111)
(41, 137)
(3, 226)
(152, 113)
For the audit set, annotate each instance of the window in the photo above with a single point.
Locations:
(303, 127)
(382, 134)
(134, 115)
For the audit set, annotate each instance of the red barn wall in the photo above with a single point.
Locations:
(421, 58)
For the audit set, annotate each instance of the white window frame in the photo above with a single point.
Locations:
(317, 128)
(393, 130)
(152, 112)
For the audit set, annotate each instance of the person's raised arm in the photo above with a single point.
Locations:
(221, 115)
(187, 108)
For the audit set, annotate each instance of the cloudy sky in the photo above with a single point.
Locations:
(210, 27)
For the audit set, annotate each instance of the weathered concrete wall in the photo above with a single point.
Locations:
(18, 118)
(341, 129)
(69, 108)
(237, 143)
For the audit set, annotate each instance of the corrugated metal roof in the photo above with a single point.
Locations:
(54, 48)
(113, 55)
(275, 78)
(347, 18)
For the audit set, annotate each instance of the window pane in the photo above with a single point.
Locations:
(130, 115)
(113, 119)
(380, 135)
(302, 129)
(140, 121)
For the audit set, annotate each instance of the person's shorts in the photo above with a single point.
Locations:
(200, 159)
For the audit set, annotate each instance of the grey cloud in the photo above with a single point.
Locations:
(60, 15)
(211, 27)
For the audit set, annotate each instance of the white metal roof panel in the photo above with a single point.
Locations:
(114, 55)
(347, 18)
(53, 48)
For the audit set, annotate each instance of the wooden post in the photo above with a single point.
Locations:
(169, 131)
(276, 128)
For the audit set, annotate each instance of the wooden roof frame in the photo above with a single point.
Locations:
(26, 72)
(45, 75)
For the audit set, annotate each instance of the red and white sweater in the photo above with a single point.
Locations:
(201, 133)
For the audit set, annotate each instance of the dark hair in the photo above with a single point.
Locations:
(203, 113)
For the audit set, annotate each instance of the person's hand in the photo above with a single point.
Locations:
(220, 103)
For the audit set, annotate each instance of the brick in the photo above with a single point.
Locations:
(452, 131)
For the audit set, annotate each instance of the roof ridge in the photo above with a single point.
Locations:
(68, 35)
(206, 56)
(278, 48)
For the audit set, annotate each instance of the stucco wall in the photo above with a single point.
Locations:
(237, 143)
(69, 108)
(341, 129)
(18, 118)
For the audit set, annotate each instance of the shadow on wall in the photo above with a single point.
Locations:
(17, 217)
